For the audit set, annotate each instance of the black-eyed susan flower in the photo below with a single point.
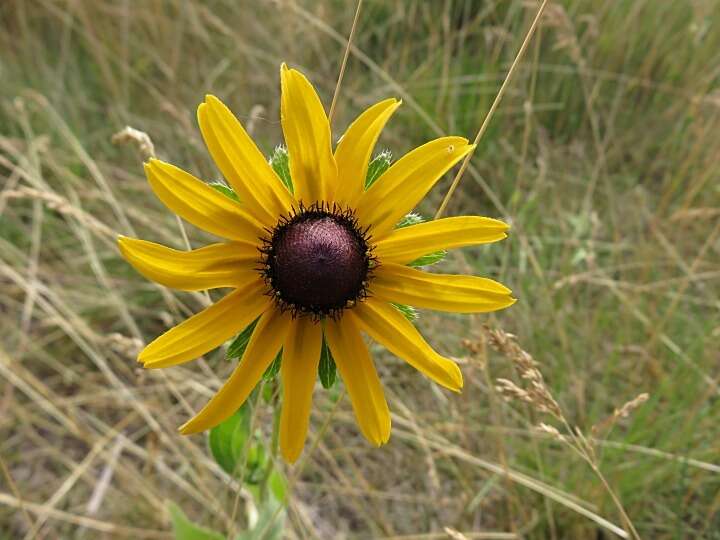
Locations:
(323, 260)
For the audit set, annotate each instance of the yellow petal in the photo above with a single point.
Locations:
(386, 325)
(201, 205)
(406, 182)
(266, 340)
(307, 135)
(406, 244)
(260, 190)
(360, 378)
(208, 329)
(355, 148)
(458, 294)
(301, 355)
(217, 265)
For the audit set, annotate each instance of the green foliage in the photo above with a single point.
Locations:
(410, 219)
(326, 368)
(278, 486)
(184, 529)
(378, 165)
(274, 368)
(239, 344)
(230, 443)
(280, 163)
(270, 523)
(431, 258)
(237, 451)
(225, 190)
(410, 312)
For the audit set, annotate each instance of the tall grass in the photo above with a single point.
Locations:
(603, 155)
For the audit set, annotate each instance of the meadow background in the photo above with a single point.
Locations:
(604, 156)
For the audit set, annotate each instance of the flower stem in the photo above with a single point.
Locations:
(274, 442)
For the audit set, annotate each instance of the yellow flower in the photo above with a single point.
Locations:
(325, 260)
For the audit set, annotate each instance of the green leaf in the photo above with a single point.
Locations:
(410, 312)
(280, 163)
(270, 523)
(225, 190)
(256, 459)
(430, 258)
(229, 440)
(274, 368)
(278, 485)
(377, 166)
(184, 529)
(410, 219)
(326, 369)
(240, 343)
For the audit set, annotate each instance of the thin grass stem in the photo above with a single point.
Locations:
(346, 55)
(491, 112)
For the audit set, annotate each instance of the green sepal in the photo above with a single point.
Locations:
(409, 312)
(430, 258)
(410, 219)
(225, 190)
(273, 369)
(280, 162)
(326, 368)
(240, 343)
(377, 166)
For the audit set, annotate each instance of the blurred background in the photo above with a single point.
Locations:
(603, 156)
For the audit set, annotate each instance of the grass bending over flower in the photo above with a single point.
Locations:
(335, 273)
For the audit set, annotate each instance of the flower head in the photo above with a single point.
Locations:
(324, 261)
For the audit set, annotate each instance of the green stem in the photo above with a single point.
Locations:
(274, 444)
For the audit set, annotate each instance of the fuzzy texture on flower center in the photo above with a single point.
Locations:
(317, 262)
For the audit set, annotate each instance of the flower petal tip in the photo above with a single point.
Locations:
(459, 383)
(155, 364)
(150, 165)
(503, 225)
(186, 428)
(147, 361)
(213, 101)
(291, 455)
